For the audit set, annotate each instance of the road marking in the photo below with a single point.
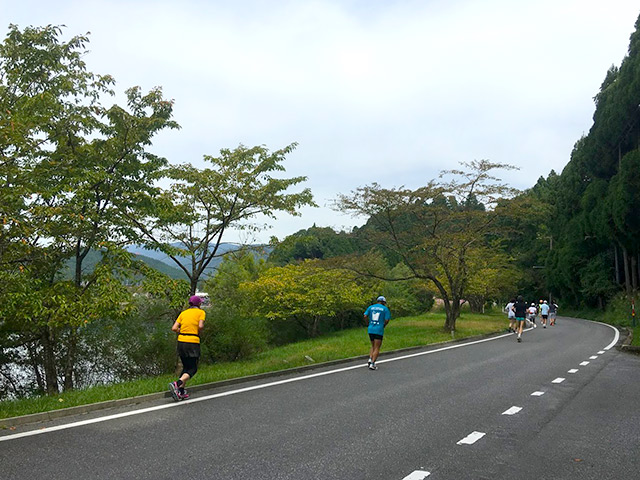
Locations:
(615, 338)
(584, 364)
(258, 387)
(233, 392)
(558, 380)
(537, 394)
(573, 370)
(471, 438)
(593, 357)
(512, 411)
(601, 352)
(417, 475)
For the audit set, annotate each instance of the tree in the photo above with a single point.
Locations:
(434, 228)
(72, 166)
(305, 293)
(188, 221)
(312, 243)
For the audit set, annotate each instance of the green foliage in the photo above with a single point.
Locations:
(313, 243)
(229, 338)
(305, 294)
(433, 229)
(188, 221)
(69, 167)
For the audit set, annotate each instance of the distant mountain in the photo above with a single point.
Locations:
(161, 262)
(260, 251)
(94, 257)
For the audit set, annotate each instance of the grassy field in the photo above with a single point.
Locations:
(401, 333)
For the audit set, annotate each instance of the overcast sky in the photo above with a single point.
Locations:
(372, 90)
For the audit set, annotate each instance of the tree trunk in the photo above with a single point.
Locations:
(35, 364)
(634, 272)
(627, 276)
(70, 360)
(476, 303)
(453, 312)
(49, 361)
(617, 264)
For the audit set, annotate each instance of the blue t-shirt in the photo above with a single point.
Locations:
(544, 308)
(377, 314)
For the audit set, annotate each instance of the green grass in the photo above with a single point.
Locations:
(636, 336)
(401, 333)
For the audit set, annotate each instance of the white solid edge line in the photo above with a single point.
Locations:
(615, 338)
(512, 411)
(417, 475)
(233, 392)
(257, 387)
(472, 438)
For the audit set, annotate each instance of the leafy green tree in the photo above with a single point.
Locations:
(494, 277)
(188, 221)
(312, 243)
(305, 293)
(432, 229)
(72, 167)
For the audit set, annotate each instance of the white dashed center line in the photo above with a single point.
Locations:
(537, 394)
(512, 411)
(558, 380)
(573, 370)
(471, 438)
(601, 352)
(417, 475)
(593, 357)
(584, 364)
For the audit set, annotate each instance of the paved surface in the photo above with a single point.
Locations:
(465, 412)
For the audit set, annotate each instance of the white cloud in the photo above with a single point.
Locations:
(372, 90)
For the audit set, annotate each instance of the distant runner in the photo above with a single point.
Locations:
(377, 317)
(520, 309)
(553, 310)
(539, 307)
(511, 315)
(531, 313)
(544, 313)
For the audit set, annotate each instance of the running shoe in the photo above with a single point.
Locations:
(183, 395)
(175, 392)
(372, 366)
(519, 339)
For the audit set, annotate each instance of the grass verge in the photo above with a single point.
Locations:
(401, 333)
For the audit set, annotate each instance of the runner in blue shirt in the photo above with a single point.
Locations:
(377, 317)
(544, 313)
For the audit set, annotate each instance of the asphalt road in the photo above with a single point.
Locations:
(464, 412)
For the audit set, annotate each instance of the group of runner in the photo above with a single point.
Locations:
(519, 312)
(190, 323)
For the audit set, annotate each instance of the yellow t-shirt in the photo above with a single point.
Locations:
(189, 321)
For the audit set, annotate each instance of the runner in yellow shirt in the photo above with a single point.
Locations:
(188, 326)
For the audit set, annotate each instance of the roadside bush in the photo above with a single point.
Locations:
(229, 337)
(618, 311)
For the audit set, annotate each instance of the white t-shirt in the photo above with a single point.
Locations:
(509, 310)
